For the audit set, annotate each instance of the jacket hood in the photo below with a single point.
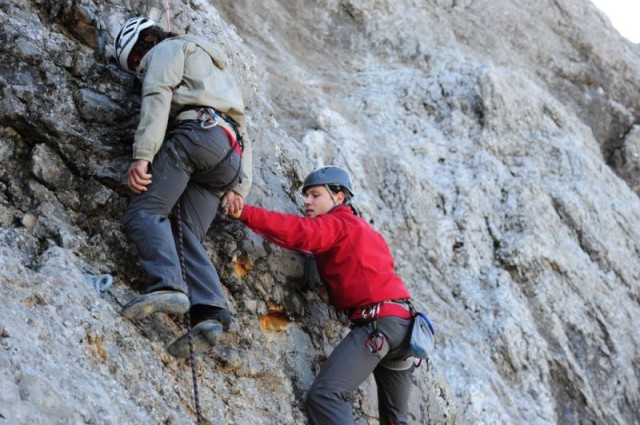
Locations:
(217, 55)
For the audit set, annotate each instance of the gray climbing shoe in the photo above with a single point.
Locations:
(204, 335)
(174, 302)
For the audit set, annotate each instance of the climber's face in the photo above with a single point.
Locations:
(140, 49)
(319, 200)
(133, 62)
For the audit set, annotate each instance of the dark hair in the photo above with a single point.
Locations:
(335, 188)
(156, 32)
(142, 46)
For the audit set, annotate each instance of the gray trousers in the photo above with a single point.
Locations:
(193, 167)
(329, 400)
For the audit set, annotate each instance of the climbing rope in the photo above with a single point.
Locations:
(192, 359)
(167, 9)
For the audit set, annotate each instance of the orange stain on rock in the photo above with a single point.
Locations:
(274, 307)
(242, 265)
(275, 320)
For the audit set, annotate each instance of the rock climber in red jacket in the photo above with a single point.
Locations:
(355, 264)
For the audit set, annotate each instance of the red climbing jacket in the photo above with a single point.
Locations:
(353, 259)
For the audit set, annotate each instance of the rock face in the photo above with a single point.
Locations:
(493, 143)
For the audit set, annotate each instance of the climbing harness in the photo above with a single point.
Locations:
(192, 360)
(100, 282)
(210, 118)
(369, 315)
(363, 315)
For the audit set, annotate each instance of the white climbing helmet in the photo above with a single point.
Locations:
(127, 38)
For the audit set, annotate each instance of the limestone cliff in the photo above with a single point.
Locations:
(493, 143)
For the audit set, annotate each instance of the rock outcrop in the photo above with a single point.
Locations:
(493, 143)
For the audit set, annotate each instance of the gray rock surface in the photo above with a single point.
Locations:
(493, 143)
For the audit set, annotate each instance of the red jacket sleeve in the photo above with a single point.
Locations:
(312, 235)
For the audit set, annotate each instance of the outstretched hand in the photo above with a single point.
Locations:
(232, 204)
(137, 176)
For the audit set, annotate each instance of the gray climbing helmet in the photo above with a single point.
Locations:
(329, 175)
(127, 38)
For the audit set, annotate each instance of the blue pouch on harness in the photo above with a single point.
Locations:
(422, 336)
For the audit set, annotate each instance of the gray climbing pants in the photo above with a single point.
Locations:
(329, 400)
(194, 167)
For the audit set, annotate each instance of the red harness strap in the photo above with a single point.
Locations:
(384, 309)
(233, 142)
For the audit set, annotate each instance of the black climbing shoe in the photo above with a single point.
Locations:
(201, 312)
(204, 335)
(174, 302)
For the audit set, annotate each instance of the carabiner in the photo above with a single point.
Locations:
(207, 118)
(375, 341)
(370, 312)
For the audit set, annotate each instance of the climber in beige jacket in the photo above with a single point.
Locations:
(190, 149)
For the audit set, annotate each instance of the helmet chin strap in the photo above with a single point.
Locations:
(335, 202)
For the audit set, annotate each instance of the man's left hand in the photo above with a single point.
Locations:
(232, 204)
(137, 176)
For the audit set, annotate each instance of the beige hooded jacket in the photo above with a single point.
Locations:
(187, 71)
